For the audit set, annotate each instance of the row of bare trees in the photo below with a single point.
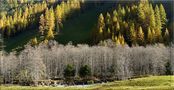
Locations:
(49, 61)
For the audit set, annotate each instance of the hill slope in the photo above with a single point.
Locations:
(76, 29)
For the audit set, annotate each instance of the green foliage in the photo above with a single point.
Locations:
(158, 25)
(158, 18)
(90, 82)
(141, 13)
(85, 71)
(69, 71)
(152, 18)
(163, 15)
(168, 68)
(149, 36)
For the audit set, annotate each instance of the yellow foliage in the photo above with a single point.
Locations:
(101, 30)
(34, 41)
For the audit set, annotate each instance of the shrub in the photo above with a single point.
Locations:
(90, 82)
(1, 79)
(85, 71)
(168, 68)
(24, 78)
(69, 71)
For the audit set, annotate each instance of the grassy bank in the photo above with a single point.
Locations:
(147, 83)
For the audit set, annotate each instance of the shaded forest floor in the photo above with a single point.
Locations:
(147, 83)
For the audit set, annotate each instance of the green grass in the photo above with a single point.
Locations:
(147, 83)
(78, 30)
(19, 41)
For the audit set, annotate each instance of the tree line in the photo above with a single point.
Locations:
(136, 24)
(44, 62)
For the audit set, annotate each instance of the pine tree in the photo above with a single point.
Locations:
(26, 12)
(158, 25)
(166, 37)
(47, 17)
(52, 19)
(121, 39)
(114, 18)
(59, 13)
(108, 20)
(141, 14)
(117, 26)
(131, 35)
(140, 36)
(157, 18)
(119, 11)
(42, 25)
(115, 22)
(50, 34)
(62, 5)
(101, 21)
(109, 31)
(153, 36)
(50, 23)
(117, 40)
(30, 9)
(163, 15)
(151, 17)
(101, 25)
(100, 30)
(149, 36)
(45, 41)
(58, 18)
(123, 12)
(15, 17)
(19, 14)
